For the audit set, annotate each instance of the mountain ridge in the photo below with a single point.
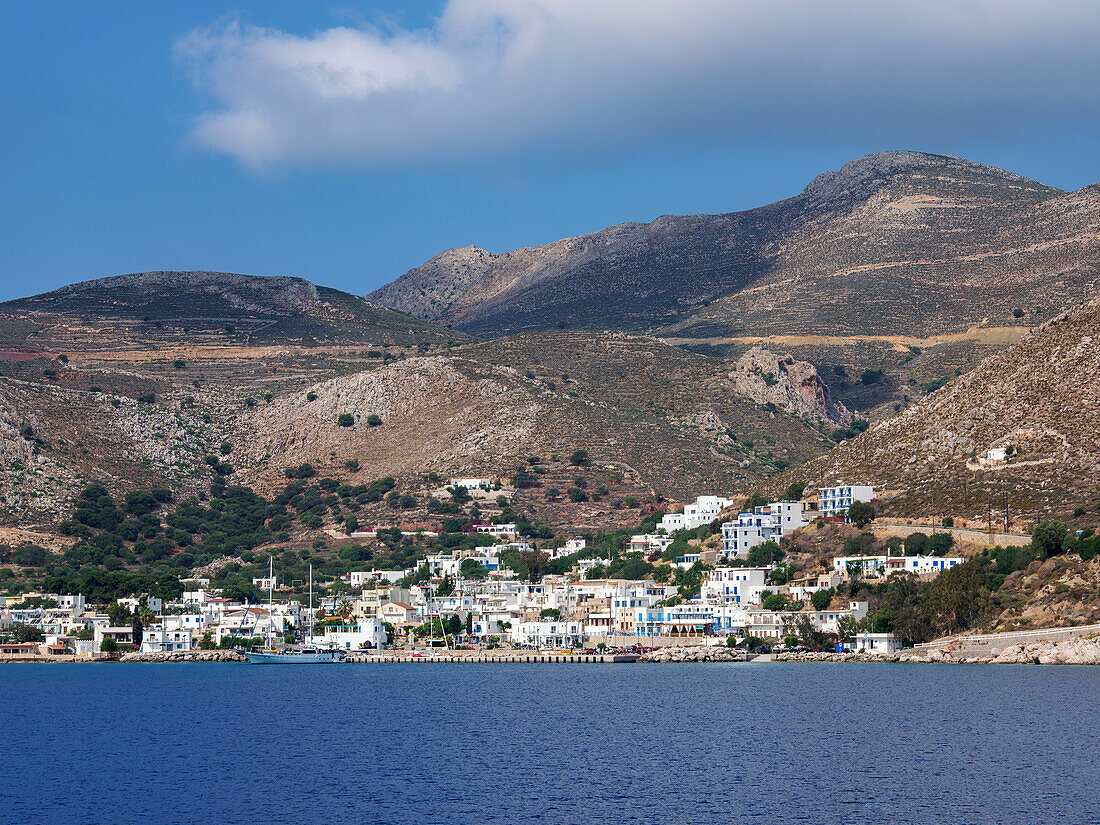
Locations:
(694, 274)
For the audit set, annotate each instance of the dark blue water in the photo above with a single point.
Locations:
(549, 744)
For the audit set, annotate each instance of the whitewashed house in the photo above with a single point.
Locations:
(704, 510)
(838, 499)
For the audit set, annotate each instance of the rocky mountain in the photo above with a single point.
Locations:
(892, 244)
(204, 308)
(1038, 401)
(908, 265)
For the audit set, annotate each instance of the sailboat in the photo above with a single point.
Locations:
(306, 654)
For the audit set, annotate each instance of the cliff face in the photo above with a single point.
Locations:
(794, 386)
(893, 243)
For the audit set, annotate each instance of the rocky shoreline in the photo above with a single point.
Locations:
(186, 656)
(694, 654)
(1067, 652)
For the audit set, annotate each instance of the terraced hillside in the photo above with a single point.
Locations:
(670, 419)
(1039, 400)
(203, 308)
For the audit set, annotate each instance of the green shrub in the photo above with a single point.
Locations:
(346, 420)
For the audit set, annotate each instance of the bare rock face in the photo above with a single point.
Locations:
(13, 447)
(763, 377)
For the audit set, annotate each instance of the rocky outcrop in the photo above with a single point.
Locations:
(695, 653)
(186, 656)
(763, 377)
(1083, 651)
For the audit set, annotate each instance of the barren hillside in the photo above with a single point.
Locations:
(1039, 400)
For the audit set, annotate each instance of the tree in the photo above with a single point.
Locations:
(344, 609)
(794, 492)
(1049, 538)
(914, 543)
(939, 544)
(374, 420)
(118, 614)
(821, 598)
(108, 645)
(345, 420)
(23, 633)
(459, 495)
(861, 513)
(765, 554)
(551, 613)
(773, 601)
(846, 627)
(579, 458)
(473, 569)
(138, 629)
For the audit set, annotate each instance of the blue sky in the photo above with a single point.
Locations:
(347, 143)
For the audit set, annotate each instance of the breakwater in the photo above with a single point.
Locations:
(491, 658)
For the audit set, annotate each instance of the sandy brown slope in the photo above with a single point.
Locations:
(486, 410)
(1040, 398)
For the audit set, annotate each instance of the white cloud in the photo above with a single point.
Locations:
(513, 76)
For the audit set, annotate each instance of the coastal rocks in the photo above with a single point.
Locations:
(186, 656)
(1083, 651)
(1069, 652)
(694, 654)
(824, 656)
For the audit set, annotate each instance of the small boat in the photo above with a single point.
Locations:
(308, 654)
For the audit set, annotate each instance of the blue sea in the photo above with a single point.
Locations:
(675, 744)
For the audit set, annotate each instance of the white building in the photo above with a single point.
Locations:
(734, 585)
(364, 634)
(866, 565)
(921, 565)
(885, 565)
(769, 523)
(157, 639)
(650, 543)
(499, 531)
(874, 643)
(703, 511)
(573, 545)
(548, 634)
(838, 499)
(471, 483)
(993, 457)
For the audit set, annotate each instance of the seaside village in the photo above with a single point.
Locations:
(741, 592)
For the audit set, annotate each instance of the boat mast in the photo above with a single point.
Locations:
(310, 614)
(270, 589)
